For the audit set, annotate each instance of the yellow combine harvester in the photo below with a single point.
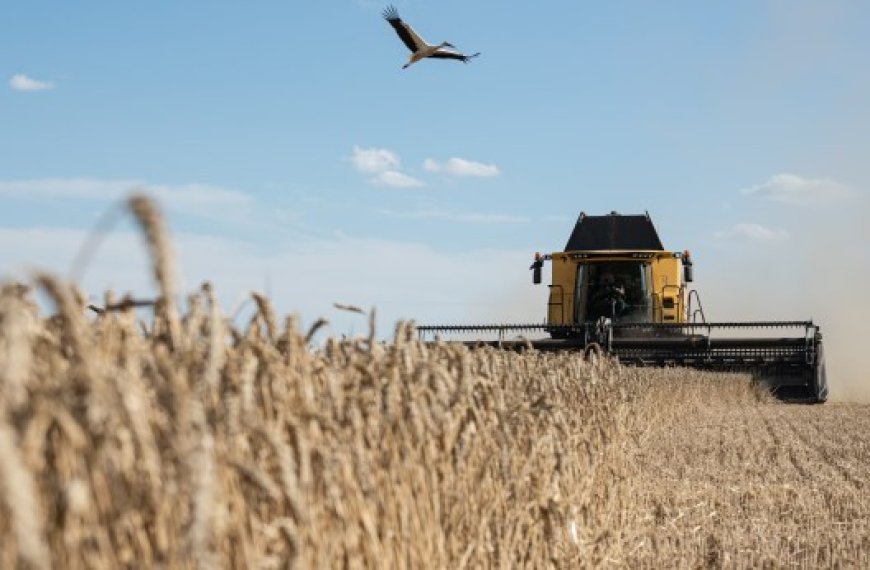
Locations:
(616, 287)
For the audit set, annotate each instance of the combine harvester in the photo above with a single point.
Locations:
(616, 289)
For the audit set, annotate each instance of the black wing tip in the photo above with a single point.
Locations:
(390, 13)
(453, 55)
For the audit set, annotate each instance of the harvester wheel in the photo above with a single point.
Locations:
(820, 376)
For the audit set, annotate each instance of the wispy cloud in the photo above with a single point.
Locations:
(21, 82)
(385, 165)
(799, 191)
(196, 199)
(752, 231)
(387, 168)
(396, 179)
(558, 219)
(371, 160)
(461, 167)
(462, 217)
(426, 289)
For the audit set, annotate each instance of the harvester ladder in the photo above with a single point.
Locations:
(700, 310)
(560, 304)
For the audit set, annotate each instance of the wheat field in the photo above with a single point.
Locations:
(182, 441)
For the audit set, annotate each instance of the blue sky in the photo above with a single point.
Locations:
(293, 154)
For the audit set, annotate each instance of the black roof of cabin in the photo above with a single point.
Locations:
(614, 231)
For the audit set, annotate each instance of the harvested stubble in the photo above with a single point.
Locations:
(185, 442)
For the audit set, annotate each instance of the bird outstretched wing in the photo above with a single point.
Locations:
(444, 54)
(407, 34)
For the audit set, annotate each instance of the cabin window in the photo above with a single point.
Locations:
(618, 290)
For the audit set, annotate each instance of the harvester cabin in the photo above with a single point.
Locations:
(616, 267)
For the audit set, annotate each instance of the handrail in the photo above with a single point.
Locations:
(700, 306)
(528, 327)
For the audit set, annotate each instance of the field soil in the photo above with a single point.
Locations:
(762, 485)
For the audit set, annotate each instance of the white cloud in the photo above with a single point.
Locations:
(462, 217)
(751, 231)
(396, 179)
(461, 167)
(374, 159)
(799, 191)
(21, 82)
(196, 199)
(385, 164)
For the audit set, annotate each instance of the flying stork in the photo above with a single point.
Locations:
(418, 46)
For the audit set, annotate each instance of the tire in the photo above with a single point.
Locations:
(820, 376)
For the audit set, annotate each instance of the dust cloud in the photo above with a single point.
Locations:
(820, 272)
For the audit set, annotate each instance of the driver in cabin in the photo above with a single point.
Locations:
(614, 294)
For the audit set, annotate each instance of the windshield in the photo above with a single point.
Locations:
(618, 290)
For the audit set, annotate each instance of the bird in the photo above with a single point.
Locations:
(418, 46)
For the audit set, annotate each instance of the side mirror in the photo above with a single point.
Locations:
(688, 274)
(536, 271)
